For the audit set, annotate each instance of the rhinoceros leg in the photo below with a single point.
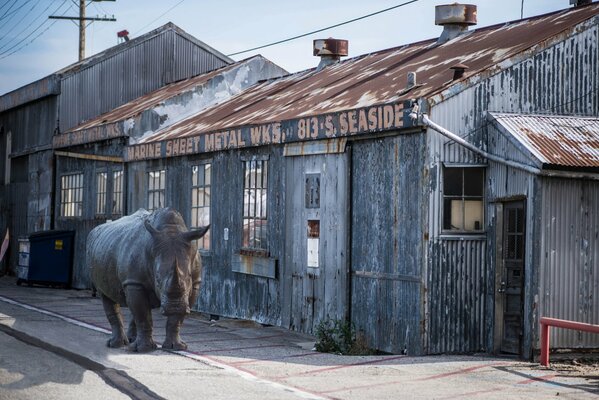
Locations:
(113, 313)
(132, 330)
(173, 340)
(138, 303)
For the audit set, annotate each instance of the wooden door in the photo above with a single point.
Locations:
(511, 285)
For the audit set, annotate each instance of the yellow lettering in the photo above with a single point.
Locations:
(362, 121)
(398, 115)
(372, 118)
(255, 135)
(218, 144)
(380, 115)
(387, 117)
(314, 133)
(265, 133)
(189, 148)
(209, 142)
(301, 129)
(169, 148)
(130, 153)
(240, 140)
(329, 127)
(142, 151)
(196, 144)
(158, 149)
(343, 123)
(276, 132)
(352, 122)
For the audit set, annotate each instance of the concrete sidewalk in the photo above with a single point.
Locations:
(230, 359)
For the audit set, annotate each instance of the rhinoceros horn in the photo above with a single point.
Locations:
(176, 286)
(195, 234)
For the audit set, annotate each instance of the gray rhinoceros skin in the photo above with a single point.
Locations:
(145, 261)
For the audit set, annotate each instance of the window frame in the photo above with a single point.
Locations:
(154, 191)
(463, 197)
(246, 249)
(99, 194)
(78, 190)
(120, 193)
(207, 238)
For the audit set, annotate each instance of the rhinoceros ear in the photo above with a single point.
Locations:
(153, 231)
(195, 234)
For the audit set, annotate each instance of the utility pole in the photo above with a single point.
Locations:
(82, 23)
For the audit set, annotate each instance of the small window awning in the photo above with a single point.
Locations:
(556, 141)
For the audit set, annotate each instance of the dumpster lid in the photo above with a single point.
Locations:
(49, 234)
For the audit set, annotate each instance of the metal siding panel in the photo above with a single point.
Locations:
(569, 263)
(387, 242)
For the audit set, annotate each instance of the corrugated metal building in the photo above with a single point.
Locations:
(332, 193)
(30, 116)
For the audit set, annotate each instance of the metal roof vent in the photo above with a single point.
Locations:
(458, 71)
(578, 3)
(329, 50)
(455, 19)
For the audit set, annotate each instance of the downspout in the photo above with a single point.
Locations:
(475, 149)
(535, 171)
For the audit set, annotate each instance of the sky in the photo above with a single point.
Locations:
(33, 46)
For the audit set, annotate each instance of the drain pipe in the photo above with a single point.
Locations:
(475, 149)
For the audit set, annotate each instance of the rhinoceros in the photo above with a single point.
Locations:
(145, 261)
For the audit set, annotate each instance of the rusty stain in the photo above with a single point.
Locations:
(367, 80)
(556, 140)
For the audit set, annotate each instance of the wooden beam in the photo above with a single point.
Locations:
(89, 156)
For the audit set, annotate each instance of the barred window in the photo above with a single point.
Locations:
(255, 222)
(117, 193)
(156, 189)
(101, 180)
(201, 200)
(71, 195)
(463, 190)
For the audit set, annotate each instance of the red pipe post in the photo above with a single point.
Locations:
(560, 323)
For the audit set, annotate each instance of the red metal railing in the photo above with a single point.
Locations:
(559, 323)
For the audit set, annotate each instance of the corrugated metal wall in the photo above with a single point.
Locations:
(561, 79)
(569, 258)
(387, 241)
(316, 293)
(224, 292)
(130, 73)
(88, 220)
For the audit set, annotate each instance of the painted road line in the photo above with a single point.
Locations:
(198, 357)
(462, 371)
(336, 367)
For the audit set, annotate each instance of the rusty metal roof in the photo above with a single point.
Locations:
(564, 141)
(151, 99)
(381, 77)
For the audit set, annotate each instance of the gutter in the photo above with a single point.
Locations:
(535, 171)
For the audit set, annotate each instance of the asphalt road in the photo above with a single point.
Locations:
(57, 351)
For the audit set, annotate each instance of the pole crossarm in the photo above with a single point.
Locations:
(82, 19)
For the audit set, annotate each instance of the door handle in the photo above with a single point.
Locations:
(502, 287)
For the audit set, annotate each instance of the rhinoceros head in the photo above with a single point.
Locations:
(176, 262)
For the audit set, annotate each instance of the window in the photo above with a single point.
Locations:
(463, 199)
(101, 179)
(71, 195)
(200, 201)
(156, 189)
(117, 193)
(255, 223)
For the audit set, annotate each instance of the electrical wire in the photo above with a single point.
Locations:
(157, 18)
(8, 10)
(323, 29)
(16, 36)
(15, 11)
(21, 20)
(31, 33)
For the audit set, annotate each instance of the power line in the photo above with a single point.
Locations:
(31, 33)
(156, 19)
(16, 36)
(22, 18)
(323, 29)
(15, 11)
(7, 11)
